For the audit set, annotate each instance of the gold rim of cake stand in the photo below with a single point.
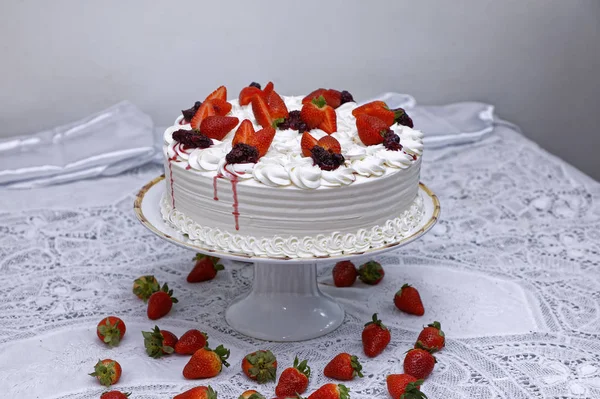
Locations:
(137, 207)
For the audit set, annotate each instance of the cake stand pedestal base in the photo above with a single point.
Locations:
(285, 304)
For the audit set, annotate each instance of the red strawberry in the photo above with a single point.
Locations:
(431, 338)
(330, 144)
(419, 363)
(344, 273)
(331, 391)
(220, 93)
(371, 105)
(107, 372)
(371, 129)
(260, 108)
(160, 303)
(216, 127)
(263, 139)
(404, 386)
(343, 367)
(307, 143)
(200, 392)
(205, 269)
(159, 342)
(221, 107)
(111, 330)
(277, 107)
(408, 300)
(251, 394)
(260, 366)
(375, 337)
(378, 109)
(293, 380)
(247, 93)
(115, 395)
(205, 110)
(190, 342)
(312, 113)
(206, 363)
(268, 89)
(244, 133)
(315, 94)
(371, 273)
(145, 286)
(333, 98)
(329, 123)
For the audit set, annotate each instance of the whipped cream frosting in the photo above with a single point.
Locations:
(284, 165)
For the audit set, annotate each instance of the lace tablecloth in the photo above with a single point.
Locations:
(512, 271)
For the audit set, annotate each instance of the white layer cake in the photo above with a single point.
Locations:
(285, 206)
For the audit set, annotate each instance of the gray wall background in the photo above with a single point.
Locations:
(537, 61)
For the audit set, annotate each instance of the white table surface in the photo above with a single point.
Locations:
(512, 271)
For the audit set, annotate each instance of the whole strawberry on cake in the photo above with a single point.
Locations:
(276, 176)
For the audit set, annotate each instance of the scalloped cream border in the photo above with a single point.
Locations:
(321, 245)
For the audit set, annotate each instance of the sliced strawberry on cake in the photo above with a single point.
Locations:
(220, 93)
(216, 127)
(333, 98)
(325, 152)
(221, 107)
(249, 146)
(378, 109)
(205, 110)
(317, 114)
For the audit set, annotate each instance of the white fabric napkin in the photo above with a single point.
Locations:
(453, 124)
(103, 144)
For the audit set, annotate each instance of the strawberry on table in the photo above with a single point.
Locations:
(260, 366)
(371, 130)
(111, 330)
(404, 386)
(343, 367)
(216, 127)
(344, 273)
(190, 342)
(293, 380)
(160, 303)
(159, 342)
(115, 395)
(205, 269)
(375, 337)
(419, 363)
(371, 273)
(331, 391)
(220, 93)
(206, 363)
(408, 300)
(200, 392)
(145, 286)
(431, 338)
(251, 394)
(107, 372)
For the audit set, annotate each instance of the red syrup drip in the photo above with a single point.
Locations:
(218, 176)
(236, 211)
(171, 178)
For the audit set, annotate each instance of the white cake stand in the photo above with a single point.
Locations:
(285, 303)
